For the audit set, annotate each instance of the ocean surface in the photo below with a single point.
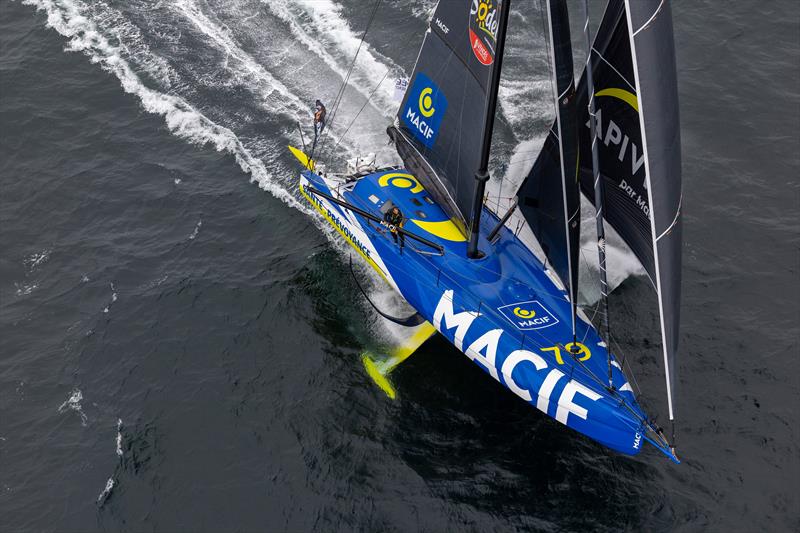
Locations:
(180, 336)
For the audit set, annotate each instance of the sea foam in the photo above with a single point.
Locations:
(320, 27)
(73, 403)
(69, 18)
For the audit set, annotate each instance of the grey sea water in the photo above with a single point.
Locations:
(180, 340)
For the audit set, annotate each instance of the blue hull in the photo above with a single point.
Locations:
(506, 312)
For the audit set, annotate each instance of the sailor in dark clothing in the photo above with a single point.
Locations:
(319, 118)
(394, 220)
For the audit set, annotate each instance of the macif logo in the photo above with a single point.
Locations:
(528, 315)
(424, 109)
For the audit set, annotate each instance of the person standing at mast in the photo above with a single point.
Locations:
(319, 121)
(319, 117)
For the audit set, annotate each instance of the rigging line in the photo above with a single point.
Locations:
(343, 87)
(594, 315)
(591, 320)
(341, 138)
(630, 369)
(615, 393)
(340, 95)
(520, 161)
(531, 151)
(499, 199)
(599, 191)
(613, 68)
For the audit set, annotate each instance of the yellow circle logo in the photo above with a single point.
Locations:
(483, 10)
(400, 180)
(524, 313)
(426, 102)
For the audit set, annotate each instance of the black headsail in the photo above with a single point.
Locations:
(549, 197)
(441, 126)
(638, 140)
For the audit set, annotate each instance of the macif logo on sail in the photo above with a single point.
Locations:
(424, 110)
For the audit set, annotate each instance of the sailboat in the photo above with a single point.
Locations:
(505, 293)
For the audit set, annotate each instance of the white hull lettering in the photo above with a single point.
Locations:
(484, 351)
(461, 321)
(511, 362)
(546, 389)
(566, 405)
(488, 341)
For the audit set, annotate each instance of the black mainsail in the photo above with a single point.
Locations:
(638, 144)
(441, 125)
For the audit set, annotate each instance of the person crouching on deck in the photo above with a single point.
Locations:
(394, 219)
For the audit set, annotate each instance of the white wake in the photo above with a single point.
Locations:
(70, 18)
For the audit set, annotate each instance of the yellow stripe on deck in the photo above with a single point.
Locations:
(445, 229)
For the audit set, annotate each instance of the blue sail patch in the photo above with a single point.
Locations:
(424, 109)
(528, 315)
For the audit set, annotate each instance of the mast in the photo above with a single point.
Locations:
(564, 97)
(482, 174)
(598, 188)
